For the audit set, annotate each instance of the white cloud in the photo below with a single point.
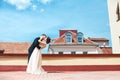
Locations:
(34, 7)
(24, 4)
(45, 1)
(42, 10)
(20, 4)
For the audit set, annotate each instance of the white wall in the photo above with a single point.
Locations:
(114, 26)
(77, 49)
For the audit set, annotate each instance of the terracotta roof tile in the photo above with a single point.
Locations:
(64, 31)
(61, 40)
(98, 39)
(107, 50)
(87, 41)
(15, 47)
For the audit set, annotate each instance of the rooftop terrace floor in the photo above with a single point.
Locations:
(75, 75)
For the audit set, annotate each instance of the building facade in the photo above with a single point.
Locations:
(114, 18)
(74, 42)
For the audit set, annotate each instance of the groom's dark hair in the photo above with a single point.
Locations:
(44, 35)
(48, 40)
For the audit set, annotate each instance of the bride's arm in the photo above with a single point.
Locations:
(43, 44)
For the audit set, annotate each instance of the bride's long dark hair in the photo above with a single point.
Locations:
(48, 40)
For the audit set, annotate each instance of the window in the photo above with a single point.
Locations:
(118, 12)
(85, 52)
(60, 52)
(73, 52)
(79, 37)
(68, 37)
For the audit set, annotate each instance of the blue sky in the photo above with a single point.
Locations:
(23, 20)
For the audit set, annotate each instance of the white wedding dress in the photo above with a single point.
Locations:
(35, 63)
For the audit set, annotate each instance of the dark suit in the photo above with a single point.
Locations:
(32, 47)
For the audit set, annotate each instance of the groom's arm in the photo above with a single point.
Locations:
(36, 43)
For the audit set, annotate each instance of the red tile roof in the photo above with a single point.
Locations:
(99, 39)
(106, 50)
(15, 47)
(61, 32)
(61, 39)
(87, 41)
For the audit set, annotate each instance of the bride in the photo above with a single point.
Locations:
(35, 63)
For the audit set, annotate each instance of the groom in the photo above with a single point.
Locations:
(35, 44)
